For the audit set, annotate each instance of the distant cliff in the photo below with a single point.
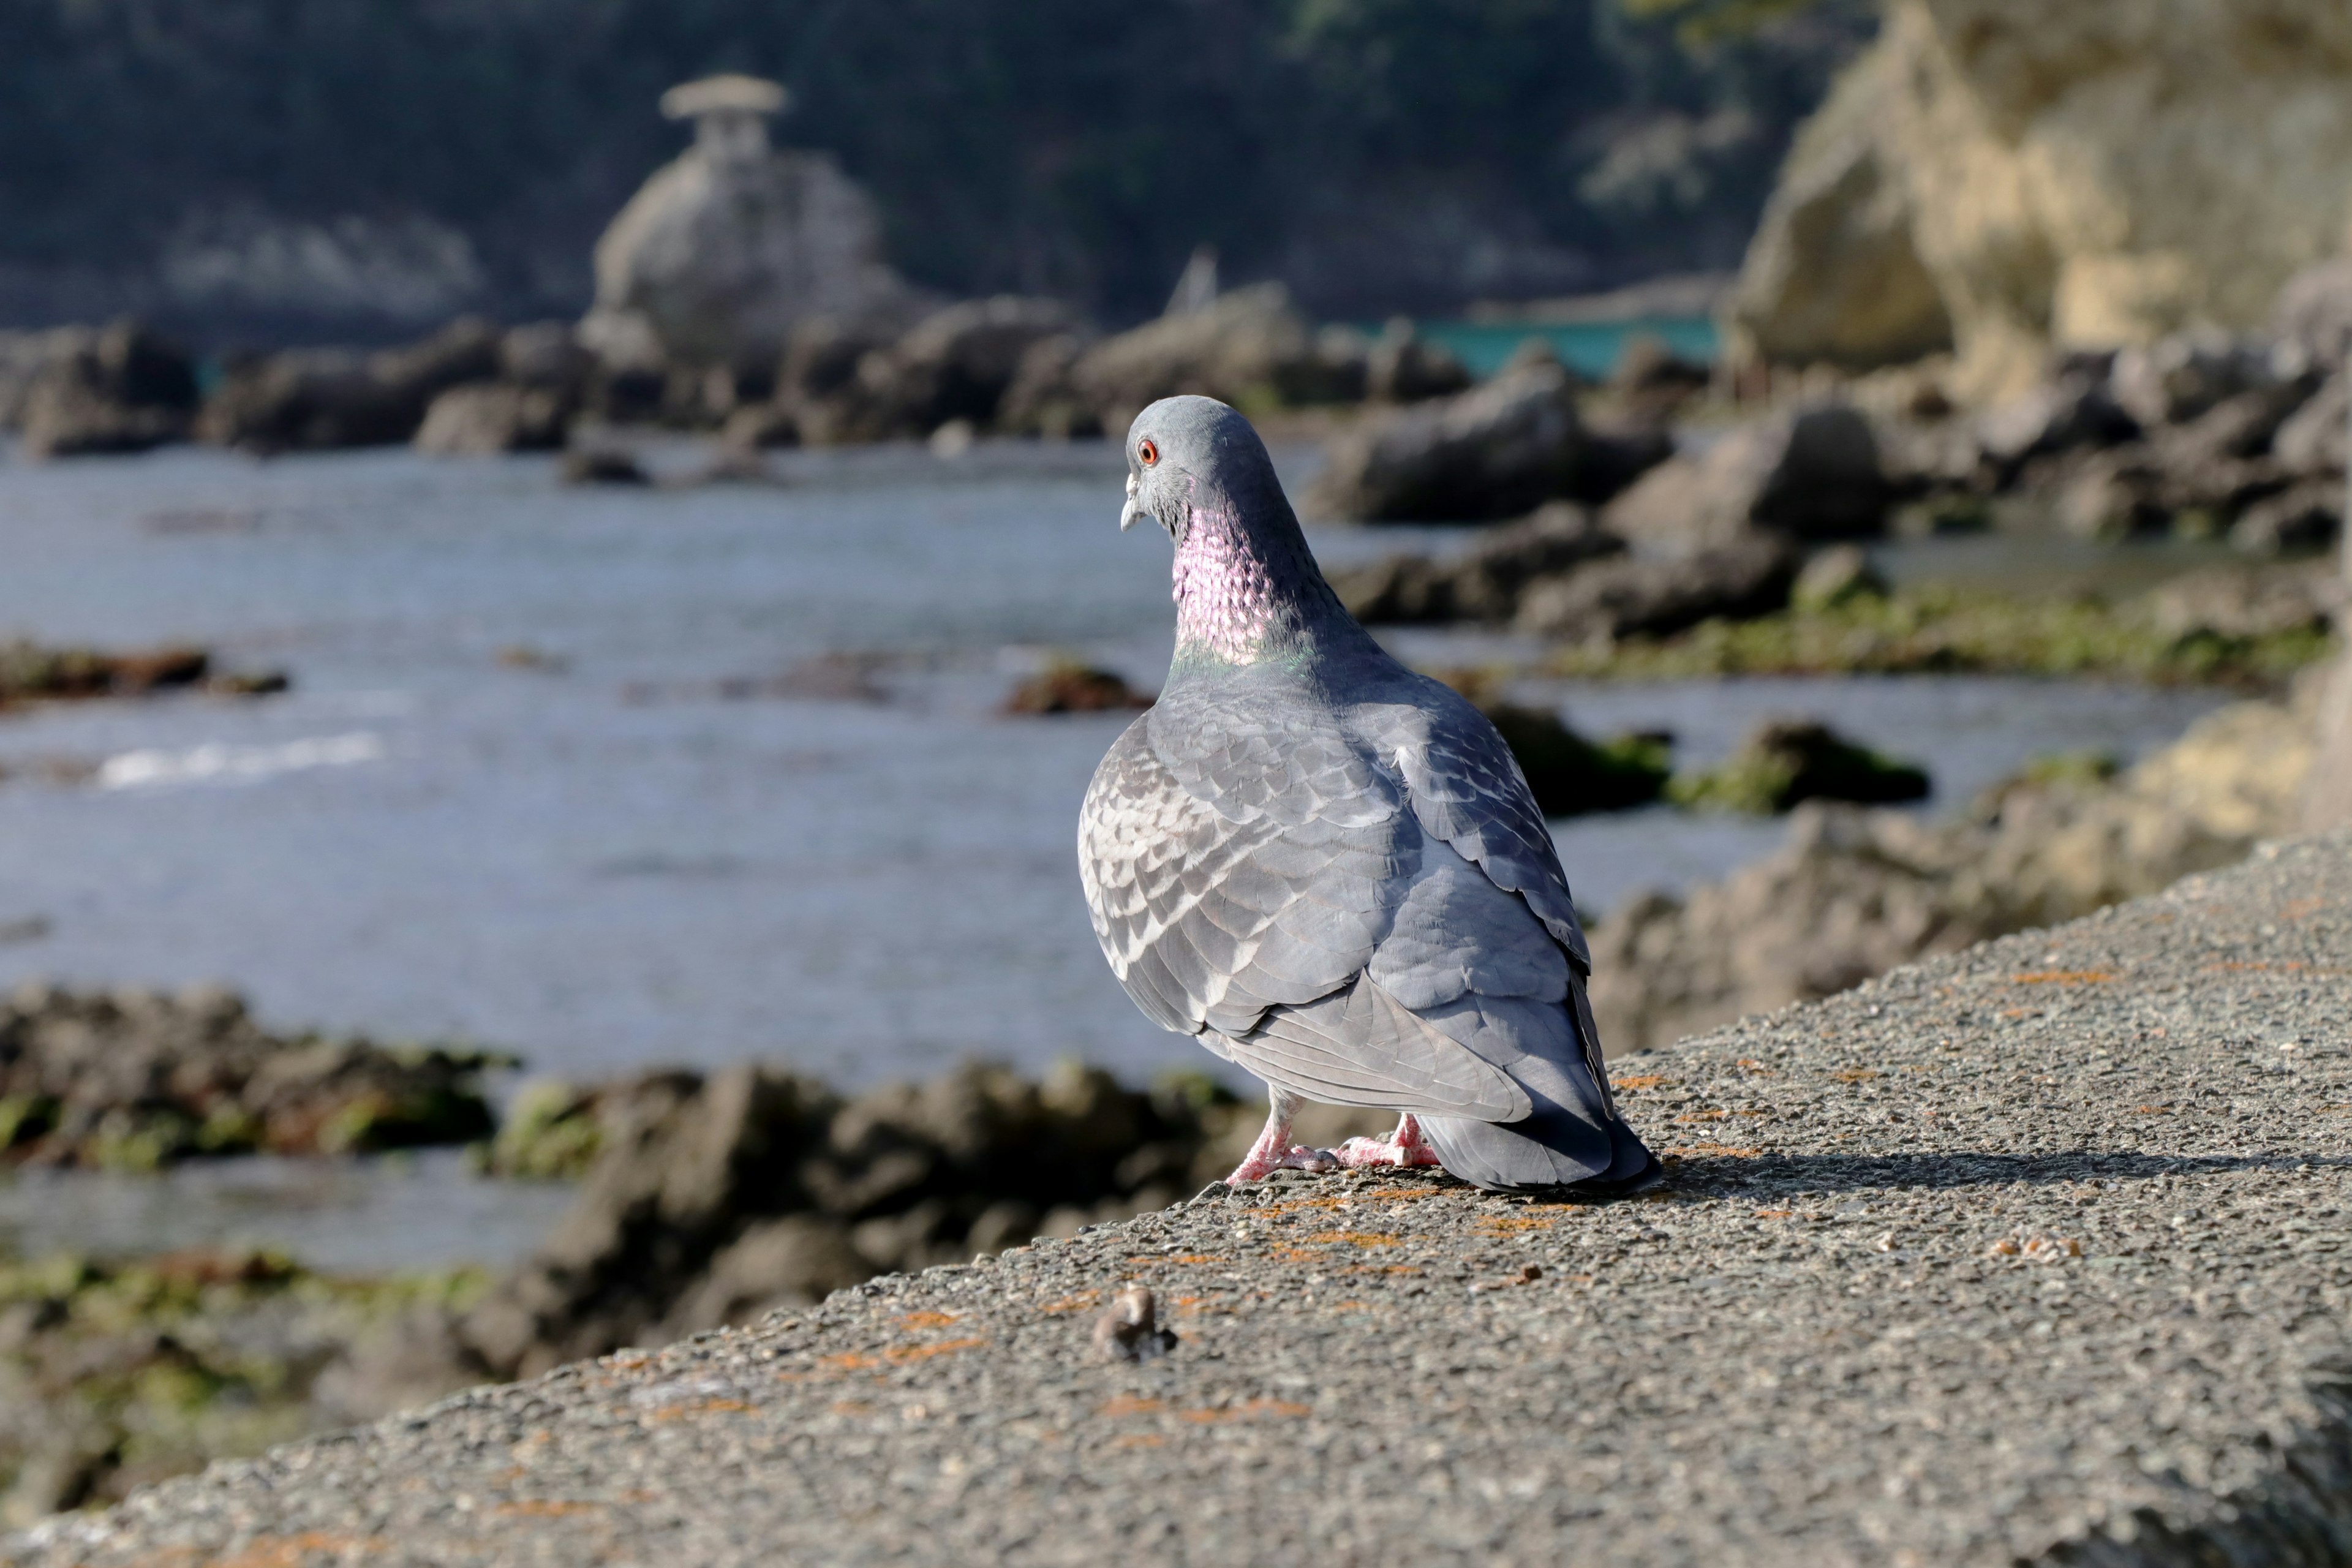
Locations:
(2000, 176)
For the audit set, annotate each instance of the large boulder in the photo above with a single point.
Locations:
(1811, 473)
(125, 390)
(726, 248)
(2085, 175)
(1496, 450)
(313, 399)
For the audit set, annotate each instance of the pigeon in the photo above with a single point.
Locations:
(1327, 868)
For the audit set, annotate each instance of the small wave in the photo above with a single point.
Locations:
(214, 762)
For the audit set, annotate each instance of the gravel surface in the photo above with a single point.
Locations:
(2037, 1253)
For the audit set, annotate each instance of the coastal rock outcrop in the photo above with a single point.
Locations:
(1852, 892)
(121, 389)
(1496, 450)
(726, 248)
(2026, 177)
(137, 1079)
(1812, 472)
(315, 399)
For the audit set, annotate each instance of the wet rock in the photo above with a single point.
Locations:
(1496, 450)
(546, 355)
(1626, 596)
(2116, 495)
(137, 1079)
(491, 418)
(1813, 473)
(1483, 585)
(1785, 763)
(315, 399)
(30, 673)
(789, 1262)
(127, 390)
(1067, 686)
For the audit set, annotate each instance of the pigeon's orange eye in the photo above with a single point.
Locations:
(1147, 453)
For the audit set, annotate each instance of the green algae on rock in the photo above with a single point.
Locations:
(137, 1079)
(1786, 761)
(1940, 630)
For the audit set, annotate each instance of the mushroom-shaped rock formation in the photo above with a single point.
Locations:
(727, 246)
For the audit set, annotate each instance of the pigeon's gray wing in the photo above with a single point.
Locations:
(1239, 894)
(1466, 788)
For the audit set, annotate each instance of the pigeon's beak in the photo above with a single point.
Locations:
(1132, 510)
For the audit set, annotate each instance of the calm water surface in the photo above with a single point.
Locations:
(555, 775)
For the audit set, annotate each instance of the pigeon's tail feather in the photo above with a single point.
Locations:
(1553, 1148)
(1574, 1137)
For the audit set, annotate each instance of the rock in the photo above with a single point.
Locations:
(1835, 274)
(1570, 776)
(1641, 596)
(1811, 473)
(1853, 893)
(24, 357)
(1983, 131)
(760, 426)
(1484, 584)
(1248, 347)
(1067, 686)
(127, 391)
(1651, 382)
(2237, 602)
(602, 466)
(2309, 443)
(727, 249)
(1130, 1329)
(316, 399)
(2312, 322)
(2114, 495)
(2179, 377)
(1496, 450)
(546, 356)
(1403, 366)
(1044, 398)
(32, 673)
(1785, 763)
(2302, 520)
(488, 417)
(2060, 416)
(136, 1079)
(956, 364)
(1835, 577)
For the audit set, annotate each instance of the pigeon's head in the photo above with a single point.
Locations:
(1187, 453)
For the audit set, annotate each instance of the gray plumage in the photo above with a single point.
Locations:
(1327, 867)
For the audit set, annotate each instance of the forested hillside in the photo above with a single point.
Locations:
(266, 162)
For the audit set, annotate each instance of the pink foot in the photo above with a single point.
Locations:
(1404, 1147)
(1273, 1150)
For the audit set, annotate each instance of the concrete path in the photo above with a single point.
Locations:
(2039, 1253)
